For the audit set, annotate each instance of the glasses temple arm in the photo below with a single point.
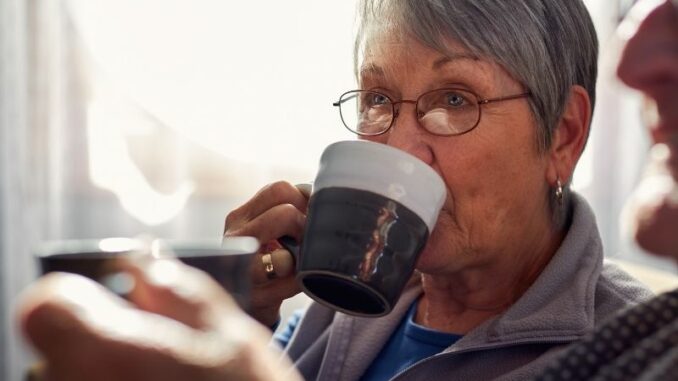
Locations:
(507, 98)
(343, 100)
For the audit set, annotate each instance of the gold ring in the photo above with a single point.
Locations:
(267, 261)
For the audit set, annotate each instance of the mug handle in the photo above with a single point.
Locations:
(291, 245)
(305, 188)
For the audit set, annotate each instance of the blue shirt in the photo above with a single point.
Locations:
(409, 344)
(283, 337)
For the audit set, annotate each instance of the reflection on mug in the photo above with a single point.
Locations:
(375, 249)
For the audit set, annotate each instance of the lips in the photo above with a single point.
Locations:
(660, 114)
(664, 158)
(672, 161)
(665, 132)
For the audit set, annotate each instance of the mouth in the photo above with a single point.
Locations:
(660, 114)
(672, 161)
(665, 157)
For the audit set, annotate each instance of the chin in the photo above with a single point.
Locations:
(439, 234)
(651, 214)
(656, 233)
(435, 258)
(424, 261)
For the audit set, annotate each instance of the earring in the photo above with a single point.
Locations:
(559, 192)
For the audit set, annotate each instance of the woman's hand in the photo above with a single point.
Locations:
(277, 210)
(180, 326)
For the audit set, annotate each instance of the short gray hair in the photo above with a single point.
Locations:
(547, 45)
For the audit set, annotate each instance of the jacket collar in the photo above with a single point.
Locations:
(559, 305)
(371, 334)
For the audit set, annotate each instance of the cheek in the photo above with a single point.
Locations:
(383, 138)
(492, 186)
(494, 174)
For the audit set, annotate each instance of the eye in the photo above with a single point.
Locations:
(455, 99)
(376, 99)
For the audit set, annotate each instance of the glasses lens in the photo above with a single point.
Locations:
(448, 111)
(366, 112)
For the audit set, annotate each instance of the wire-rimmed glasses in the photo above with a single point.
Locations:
(447, 111)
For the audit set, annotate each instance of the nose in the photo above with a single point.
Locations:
(408, 135)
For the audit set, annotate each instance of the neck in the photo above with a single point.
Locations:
(457, 303)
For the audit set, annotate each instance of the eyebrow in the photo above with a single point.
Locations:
(371, 70)
(376, 70)
(440, 62)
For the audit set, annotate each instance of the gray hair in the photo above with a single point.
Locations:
(547, 45)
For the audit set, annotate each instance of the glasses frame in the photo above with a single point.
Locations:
(395, 111)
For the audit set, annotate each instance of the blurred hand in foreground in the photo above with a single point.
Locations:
(178, 325)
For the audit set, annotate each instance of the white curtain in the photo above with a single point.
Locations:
(158, 116)
(18, 225)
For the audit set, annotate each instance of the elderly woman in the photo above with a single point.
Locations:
(513, 269)
(511, 273)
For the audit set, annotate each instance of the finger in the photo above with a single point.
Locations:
(278, 221)
(53, 306)
(305, 189)
(87, 333)
(170, 288)
(268, 197)
(271, 294)
(283, 266)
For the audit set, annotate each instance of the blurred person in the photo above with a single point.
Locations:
(641, 343)
(650, 64)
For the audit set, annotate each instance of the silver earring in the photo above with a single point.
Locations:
(559, 192)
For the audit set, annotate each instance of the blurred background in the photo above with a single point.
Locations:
(125, 117)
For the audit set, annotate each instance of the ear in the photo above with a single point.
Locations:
(569, 137)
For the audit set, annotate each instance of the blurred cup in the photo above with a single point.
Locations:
(371, 210)
(103, 260)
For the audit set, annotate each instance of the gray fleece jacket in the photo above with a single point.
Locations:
(574, 294)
